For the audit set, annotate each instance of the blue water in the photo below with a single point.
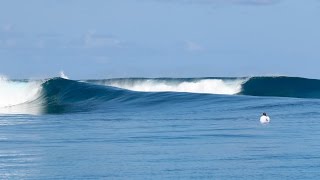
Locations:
(90, 131)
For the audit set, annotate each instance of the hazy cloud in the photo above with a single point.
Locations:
(193, 46)
(40, 44)
(101, 59)
(7, 28)
(244, 2)
(93, 40)
(255, 2)
(11, 38)
(8, 43)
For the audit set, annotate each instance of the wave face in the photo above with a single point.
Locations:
(58, 95)
(282, 87)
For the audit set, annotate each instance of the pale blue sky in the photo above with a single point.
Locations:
(159, 38)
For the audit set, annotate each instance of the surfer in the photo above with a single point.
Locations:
(264, 119)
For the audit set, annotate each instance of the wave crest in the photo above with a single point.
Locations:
(208, 86)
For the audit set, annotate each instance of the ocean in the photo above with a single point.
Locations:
(160, 128)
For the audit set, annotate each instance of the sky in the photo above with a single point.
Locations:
(159, 38)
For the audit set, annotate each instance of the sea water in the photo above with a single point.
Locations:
(167, 129)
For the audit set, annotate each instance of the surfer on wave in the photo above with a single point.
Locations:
(264, 119)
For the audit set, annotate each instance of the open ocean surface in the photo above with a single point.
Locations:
(163, 128)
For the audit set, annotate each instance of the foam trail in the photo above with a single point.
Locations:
(209, 86)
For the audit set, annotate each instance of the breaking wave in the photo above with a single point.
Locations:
(59, 95)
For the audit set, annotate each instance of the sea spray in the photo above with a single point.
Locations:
(17, 92)
(63, 75)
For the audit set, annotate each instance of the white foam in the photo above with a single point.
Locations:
(210, 86)
(16, 92)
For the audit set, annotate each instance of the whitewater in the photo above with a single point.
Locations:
(17, 92)
(159, 128)
(210, 86)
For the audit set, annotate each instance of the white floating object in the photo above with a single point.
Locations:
(264, 119)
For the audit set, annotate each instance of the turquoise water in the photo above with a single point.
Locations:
(85, 133)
